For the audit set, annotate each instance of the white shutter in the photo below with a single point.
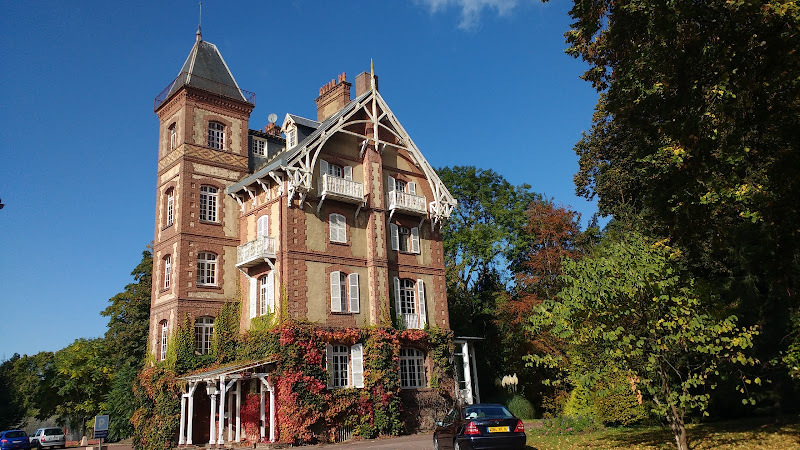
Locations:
(348, 173)
(342, 229)
(423, 316)
(253, 296)
(412, 188)
(263, 226)
(415, 240)
(336, 292)
(354, 294)
(271, 292)
(329, 363)
(357, 361)
(397, 297)
(390, 188)
(395, 236)
(323, 167)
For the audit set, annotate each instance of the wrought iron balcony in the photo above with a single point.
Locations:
(407, 203)
(255, 251)
(341, 189)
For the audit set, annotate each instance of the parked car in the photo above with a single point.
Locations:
(13, 439)
(48, 437)
(474, 427)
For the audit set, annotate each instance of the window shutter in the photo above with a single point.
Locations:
(395, 236)
(423, 316)
(357, 361)
(342, 229)
(412, 188)
(390, 188)
(336, 292)
(415, 240)
(329, 363)
(354, 294)
(348, 173)
(263, 226)
(271, 292)
(397, 296)
(323, 167)
(253, 296)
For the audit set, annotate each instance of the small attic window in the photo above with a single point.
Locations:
(291, 135)
(258, 147)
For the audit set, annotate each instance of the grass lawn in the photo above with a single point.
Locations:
(740, 434)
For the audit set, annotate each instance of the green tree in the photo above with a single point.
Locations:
(27, 383)
(631, 302)
(697, 134)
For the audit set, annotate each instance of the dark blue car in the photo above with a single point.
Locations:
(14, 439)
(477, 427)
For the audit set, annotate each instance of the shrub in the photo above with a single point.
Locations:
(521, 407)
(617, 404)
(580, 403)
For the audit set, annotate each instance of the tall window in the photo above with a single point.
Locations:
(216, 135)
(258, 147)
(341, 361)
(167, 271)
(267, 293)
(345, 294)
(409, 297)
(338, 228)
(346, 365)
(170, 206)
(208, 203)
(173, 137)
(164, 334)
(203, 330)
(405, 239)
(206, 269)
(412, 368)
(408, 302)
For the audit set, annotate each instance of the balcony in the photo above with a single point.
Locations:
(410, 321)
(341, 189)
(255, 251)
(406, 203)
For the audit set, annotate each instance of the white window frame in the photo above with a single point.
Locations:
(340, 363)
(259, 147)
(207, 269)
(413, 373)
(337, 224)
(170, 206)
(203, 332)
(345, 365)
(345, 292)
(173, 136)
(262, 226)
(266, 293)
(410, 301)
(167, 271)
(164, 335)
(406, 242)
(216, 135)
(208, 203)
(408, 296)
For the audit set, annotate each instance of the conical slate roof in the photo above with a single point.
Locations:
(205, 69)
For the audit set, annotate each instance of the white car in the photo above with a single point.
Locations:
(48, 437)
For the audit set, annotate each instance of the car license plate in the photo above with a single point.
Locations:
(497, 429)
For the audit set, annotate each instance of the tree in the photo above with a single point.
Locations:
(27, 383)
(697, 135)
(630, 302)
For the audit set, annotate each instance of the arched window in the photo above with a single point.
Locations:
(162, 354)
(216, 135)
(203, 330)
(170, 206)
(267, 293)
(173, 137)
(338, 228)
(206, 269)
(208, 203)
(412, 368)
(167, 271)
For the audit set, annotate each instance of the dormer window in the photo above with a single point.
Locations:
(216, 135)
(259, 147)
(291, 138)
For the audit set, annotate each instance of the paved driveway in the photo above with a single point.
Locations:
(422, 441)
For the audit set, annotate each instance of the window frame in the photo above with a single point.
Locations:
(337, 229)
(407, 299)
(173, 136)
(340, 363)
(209, 201)
(164, 335)
(170, 212)
(259, 147)
(345, 365)
(413, 369)
(167, 264)
(216, 135)
(203, 333)
(345, 292)
(207, 269)
(266, 294)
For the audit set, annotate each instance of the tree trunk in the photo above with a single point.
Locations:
(678, 428)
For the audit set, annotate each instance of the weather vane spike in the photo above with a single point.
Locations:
(371, 68)
(200, 23)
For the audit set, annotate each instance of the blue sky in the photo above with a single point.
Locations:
(475, 82)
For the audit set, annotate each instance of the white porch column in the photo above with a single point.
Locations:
(467, 372)
(474, 365)
(182, 433)
(262, 415)
(238, 410)
(192, 387)
(271, 412)
(213, 425)
(222, 389)
(230, 414)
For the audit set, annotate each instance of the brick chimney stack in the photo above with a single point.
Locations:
(272, 129)
(333, 96)
(363, 83)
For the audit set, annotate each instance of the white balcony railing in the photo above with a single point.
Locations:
(341, 188)
(255, 251)
(407, 202)
(410, 321)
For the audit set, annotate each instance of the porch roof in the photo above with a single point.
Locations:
(232, 369)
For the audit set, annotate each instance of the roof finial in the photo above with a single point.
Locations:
(372, 74)
(200, 22)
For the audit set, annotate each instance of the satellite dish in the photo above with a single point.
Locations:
(272, 118)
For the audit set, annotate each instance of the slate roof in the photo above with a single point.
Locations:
(206, 69)
(305, 122)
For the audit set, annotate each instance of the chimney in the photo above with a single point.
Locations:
(363, 83)
(272, 129)
(333, 96)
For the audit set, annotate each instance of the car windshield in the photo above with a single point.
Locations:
(15, 434)
(486, 411)
(52, 432)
